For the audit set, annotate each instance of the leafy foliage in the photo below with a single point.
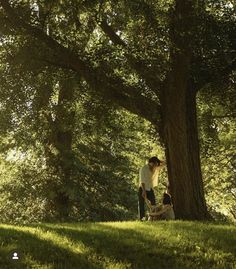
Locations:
(128, 42)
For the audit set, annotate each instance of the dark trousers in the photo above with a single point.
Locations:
(141, 202)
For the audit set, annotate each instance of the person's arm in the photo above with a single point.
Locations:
(163, 210)
(148, 203)
(162, 163)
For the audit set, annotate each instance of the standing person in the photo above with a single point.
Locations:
(148, 179)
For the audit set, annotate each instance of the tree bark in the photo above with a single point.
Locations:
(179, 117)
(182, 152)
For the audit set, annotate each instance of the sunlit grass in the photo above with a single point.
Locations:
(119, 245)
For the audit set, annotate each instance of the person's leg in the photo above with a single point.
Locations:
(151, 197)
(141, 204)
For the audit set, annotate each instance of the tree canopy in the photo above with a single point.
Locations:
(90, 89)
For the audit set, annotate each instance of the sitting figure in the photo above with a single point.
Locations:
(164, 211)
(169, 213)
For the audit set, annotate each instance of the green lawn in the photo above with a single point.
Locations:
(119, 245)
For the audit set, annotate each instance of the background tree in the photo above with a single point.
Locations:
(107, 146)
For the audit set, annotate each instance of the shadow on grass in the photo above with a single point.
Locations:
(37, 253)
(135, 248)
(217, 236)
(125, 247)
(128, 247)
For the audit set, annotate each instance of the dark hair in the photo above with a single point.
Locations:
(154, 160)
(166, 199)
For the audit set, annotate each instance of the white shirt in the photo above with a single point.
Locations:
(148, 177)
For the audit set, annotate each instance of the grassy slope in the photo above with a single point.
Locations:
(119, 245)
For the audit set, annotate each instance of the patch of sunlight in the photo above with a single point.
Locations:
(229, 228)
(64, 243)
(122, 224)
(109, 263)
(31, 263)
(71, 226)
(52, 237)
(112, 265)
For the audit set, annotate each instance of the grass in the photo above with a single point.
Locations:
(119, 245)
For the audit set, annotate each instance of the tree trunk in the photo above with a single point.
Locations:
(61, 141)
(182, 152)
(179, 117)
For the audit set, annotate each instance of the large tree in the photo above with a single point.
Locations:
(157, 84)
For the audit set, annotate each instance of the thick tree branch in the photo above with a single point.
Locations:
(100, 82)
(107, 29)
(142, 71)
